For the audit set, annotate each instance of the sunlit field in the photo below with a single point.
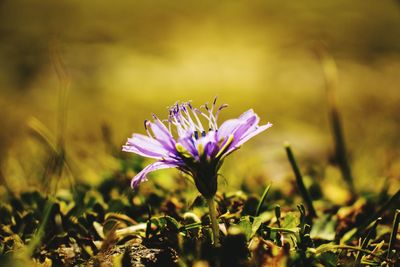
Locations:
(321, 187)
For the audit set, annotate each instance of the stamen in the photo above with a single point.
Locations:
(199, 124)
(184, 117)
(219, 110)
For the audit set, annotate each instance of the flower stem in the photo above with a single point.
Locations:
(214, 221)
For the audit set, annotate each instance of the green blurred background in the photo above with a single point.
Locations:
(127, 59)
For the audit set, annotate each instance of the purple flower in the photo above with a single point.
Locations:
(191, 141)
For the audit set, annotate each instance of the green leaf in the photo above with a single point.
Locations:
(324, 228)
(328, 259)
(245, 226)
(256, 225)
(259, 220)
(348, 236)
(291, 220)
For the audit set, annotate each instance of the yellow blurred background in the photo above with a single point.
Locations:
(128, 59)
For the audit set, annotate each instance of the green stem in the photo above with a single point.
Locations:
(299, 181)
(214, 221)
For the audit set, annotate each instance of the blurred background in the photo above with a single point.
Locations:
(114, 64)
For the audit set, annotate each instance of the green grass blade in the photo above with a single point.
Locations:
(393, 235)
(263, 197)
(330, 72)
(299, 181)
(366, 240)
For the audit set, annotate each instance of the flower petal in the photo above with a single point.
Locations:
(247, 114)
(189, 144)
(248, 136)
(227, 128)
(162, 134)
(210, 144)
(245, 127)
(145, 146)
(238, 126)
(142, 176)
